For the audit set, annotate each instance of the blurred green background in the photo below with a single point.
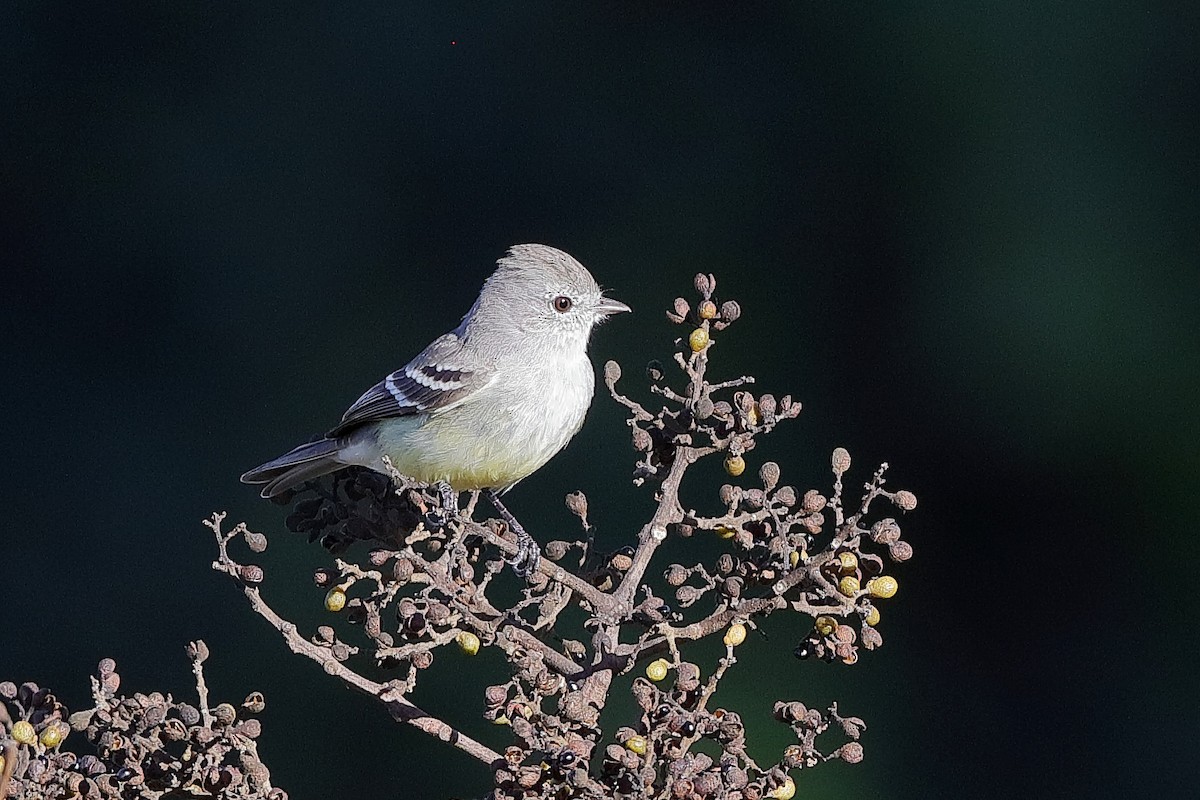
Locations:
(963, 234)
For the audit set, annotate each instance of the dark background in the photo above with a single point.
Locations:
(963, 234)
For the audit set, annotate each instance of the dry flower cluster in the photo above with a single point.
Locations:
(430, 582)
(146, 746)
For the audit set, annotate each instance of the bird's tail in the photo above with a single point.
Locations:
(304, 463)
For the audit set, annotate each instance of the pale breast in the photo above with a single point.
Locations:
(503, 434)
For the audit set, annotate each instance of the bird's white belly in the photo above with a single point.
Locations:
(498, 437)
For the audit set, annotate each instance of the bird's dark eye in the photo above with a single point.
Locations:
(562, 304)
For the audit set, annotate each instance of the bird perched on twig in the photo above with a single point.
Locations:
(484, 406)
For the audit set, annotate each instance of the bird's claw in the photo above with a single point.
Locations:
(525, 561)
(438, 517)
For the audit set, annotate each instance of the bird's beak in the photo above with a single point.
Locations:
(607, 306)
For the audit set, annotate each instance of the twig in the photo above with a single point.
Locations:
(401, 709)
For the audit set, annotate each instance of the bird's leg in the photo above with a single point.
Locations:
(526, 560)
(437, 518)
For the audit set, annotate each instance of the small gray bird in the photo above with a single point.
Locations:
(485, 405)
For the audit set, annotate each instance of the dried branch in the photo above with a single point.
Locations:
(430, 581)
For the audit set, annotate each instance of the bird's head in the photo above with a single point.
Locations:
(541, 291)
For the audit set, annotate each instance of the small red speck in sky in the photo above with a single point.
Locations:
(453, 41)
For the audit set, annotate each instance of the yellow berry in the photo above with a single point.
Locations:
(24, 733)
(785, 791)
(826, 625)
(735, 465)
(872, 617)
(735, 635)
(657, 670)
(725, 532)
(500, 720)
(698, 340)
(884, 586)
(468, 642)
(847, 562)
(1, 763)
(637, 744)
(52, 736)
(848, 585)
(336, 599)
(794, 557)
(706, 310)
(754, 416)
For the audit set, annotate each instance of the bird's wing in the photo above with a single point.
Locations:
(440, 377)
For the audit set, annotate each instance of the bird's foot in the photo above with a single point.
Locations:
(438, 517)
(527, 557)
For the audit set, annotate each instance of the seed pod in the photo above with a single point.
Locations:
(52, 735)
(577, 504)
(495, 695)
(612, 373)
(687, 677)
(224, 714)
(767, 405)
(254, 703)
(251, 574)
(250, 728)
(840, 461)
(884, 586)
(814, 501)
(641, 440)
(730, 311)
(335, 600)
(402, 570)
(885, 531)
(188, 714)
(906, 501)
(657, 670)
(768, 473)
(785, 791)
(197, 650)
(23, 732)
(900, 551)
(468, 642)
